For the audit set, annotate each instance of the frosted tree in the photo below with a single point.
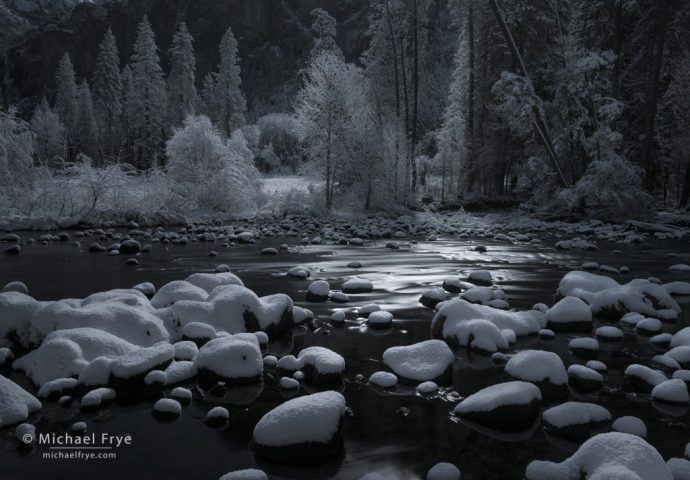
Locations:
(324, 30)
(209, 171)
(182, 96)
(16, 150)
(148, 98)
(87, 131)
(66, 94)
(49, 147)
(325, 112)
(230, 104)
(107, 95)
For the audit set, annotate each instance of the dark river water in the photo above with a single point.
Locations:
(378, 436)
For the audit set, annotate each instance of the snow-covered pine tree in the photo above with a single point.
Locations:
(127, 110)
(49, 147)
(207, 105)
(107, 95)
(324, 30)
(148, 102)
(87, 132)
(182, 96)
(66, 95)
(230, 104)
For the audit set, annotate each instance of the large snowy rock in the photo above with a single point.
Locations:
(66, 353)
(671, 391)
(576, 421)
(447, 323)
(302, 429)
(235, 309)
(607, 298)
(16, 404)
(16, 310)
(127, 372)
(641, 379)
(480, 335)
(610, 456)
(570, 314)
(510, 406)
(231, 358)
(428, 360)
(544, 369)
(127, 314)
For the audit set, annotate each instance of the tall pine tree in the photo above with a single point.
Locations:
(87, 132)
(148, 102)
(182, 96)
(231, 105)
(107, 95)
(66, 95)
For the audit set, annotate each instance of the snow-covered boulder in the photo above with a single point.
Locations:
(576, 421)
(167, 408)
(585, 347)
(610, 456)
(609, 299)
(642, 379)
(301, 429)
(427, 360)
(16, 404)
(544, 369)
(230, 358)
(584, 379)
(299, 272)
(248, 474)
(480, 277)
(236, 309)
(380, 320)
(217, 416)
(383, 379)
(510, 406)
(570, 314)
(446, 324)
(127, 372)
(443, 471)
(431, 297)
(357, 285)
(96, 398)
(673, 391)
(57, 388)
(209, 281)
(175, 291)
(631, 425)
(126, 314)
(322, 367)
(16, 311)
(318, 291)
(66, 353)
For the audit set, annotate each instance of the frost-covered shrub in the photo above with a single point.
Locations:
(211, 173)
(611, 188)
(16, 148)
(279, 131)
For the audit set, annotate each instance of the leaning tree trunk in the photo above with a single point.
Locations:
(653, 93)
(537, 117)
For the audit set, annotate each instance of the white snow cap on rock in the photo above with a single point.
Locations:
(456, 311)
(500, 395)
(421, 361)
(383, 379)
(608, 456)
(569, 309)
(575, 413)
(311, 418)
(631, 425)
(16, 404)
(443, 471)
(232, 356)
(537, 366)
(248, 474)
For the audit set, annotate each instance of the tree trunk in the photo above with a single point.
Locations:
(617, 48)
(685, 195)
(653, 92)
(415, 95)
(469, 139)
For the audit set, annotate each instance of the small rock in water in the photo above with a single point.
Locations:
(217, 416)
(167, 408)
(248, 474)
(443, 471)
(15, 287)
(427, 387)
(631, 425)
(269, 251)
(78, 428)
